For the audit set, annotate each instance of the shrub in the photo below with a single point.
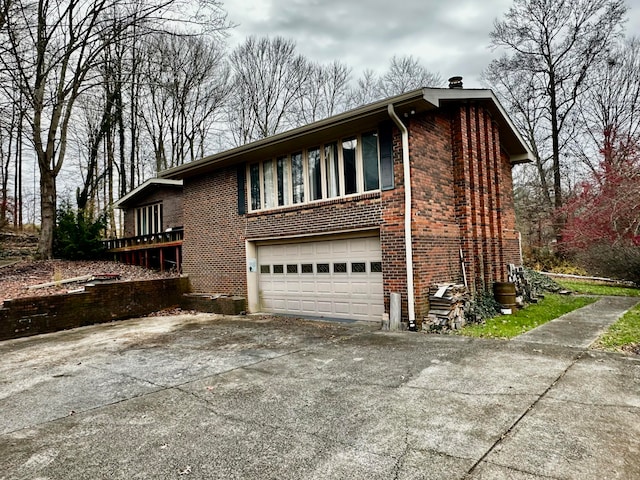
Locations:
(77, 236)
(620, 261)
(482, 307)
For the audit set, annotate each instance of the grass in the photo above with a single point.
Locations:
(624, 335)
(590, 288)
(509, 326)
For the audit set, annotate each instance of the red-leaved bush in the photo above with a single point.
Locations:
(602, 221)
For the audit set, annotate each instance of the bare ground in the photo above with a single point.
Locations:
(15, 278)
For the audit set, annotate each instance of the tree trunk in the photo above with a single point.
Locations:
(47, 213)
(555, 142)
(17, 184)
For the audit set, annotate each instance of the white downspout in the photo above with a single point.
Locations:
(408, 239)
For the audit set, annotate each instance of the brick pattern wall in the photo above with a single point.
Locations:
(214, 253)
(172, 209)
(435, 228)
(392, 239)
(97, 304)
(484, 198)
(340, 214)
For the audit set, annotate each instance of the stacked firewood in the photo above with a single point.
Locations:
(446, 308)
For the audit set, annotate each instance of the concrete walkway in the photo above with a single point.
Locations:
(581, 327)
(212, 397)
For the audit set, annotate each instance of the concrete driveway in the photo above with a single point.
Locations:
(212, 397)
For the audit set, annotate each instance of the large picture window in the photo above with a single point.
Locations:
(148, 219)
(340, 168)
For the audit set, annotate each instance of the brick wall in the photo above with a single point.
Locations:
(394, 263)
(214, 253)
(484, 196)
(97, 304)
(435, 229)
(340, 214)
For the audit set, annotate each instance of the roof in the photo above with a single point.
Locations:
(354, 121)
(144, 189)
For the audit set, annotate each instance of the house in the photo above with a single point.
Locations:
(328, 219)
(152, 226)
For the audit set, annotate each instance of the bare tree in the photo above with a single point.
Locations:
(268, 78)
(518, 91)
(4, 11)
(324, 93)
(186, 82)
(50, 49)
(365, 91)
(557, 43)
(609, 113)
(405, 73)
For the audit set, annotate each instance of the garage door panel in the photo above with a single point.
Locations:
(359, 246)
(294, 305)
(292, 284)
(308, 306)
(323, 286)
(342, 308)
(313, 288)
(307, 287)
(324, 307)
(278, 304)
(306, 249)
(322, 249)
(339, 248)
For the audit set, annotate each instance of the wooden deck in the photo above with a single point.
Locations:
(157, 250)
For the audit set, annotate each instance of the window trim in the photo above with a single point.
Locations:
(289, 194)
(148, 219)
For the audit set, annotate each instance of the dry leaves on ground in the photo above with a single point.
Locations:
(16, 277)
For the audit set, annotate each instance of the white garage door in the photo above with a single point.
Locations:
(330, 278)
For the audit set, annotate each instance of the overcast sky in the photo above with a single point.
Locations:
(447, 36)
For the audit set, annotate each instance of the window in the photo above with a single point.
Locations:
(349, 166)
(283, 181)
(297, 177)
(254, 176)
(315, 174)
(148, 219)
(339, 168)
(339, 268)
(370, 161)
(269, 193)
(332, 169)
(322, 268)
(292, 268)
(358, 267)
(307, 268)
(376, 267)
(265, 268)
(278, 269)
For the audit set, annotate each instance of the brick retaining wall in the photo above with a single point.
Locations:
(98, 303)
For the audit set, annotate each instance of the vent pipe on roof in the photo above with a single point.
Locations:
(455, 82)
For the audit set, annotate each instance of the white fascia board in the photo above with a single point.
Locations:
(143, 186)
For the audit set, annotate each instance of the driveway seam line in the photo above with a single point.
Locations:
(524, 414)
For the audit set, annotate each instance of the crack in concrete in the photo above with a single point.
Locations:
(160, 388)
(471, 394)
(526, 472)
(521, 417)
(400, 460)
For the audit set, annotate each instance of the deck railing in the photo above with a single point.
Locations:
(153, 239)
